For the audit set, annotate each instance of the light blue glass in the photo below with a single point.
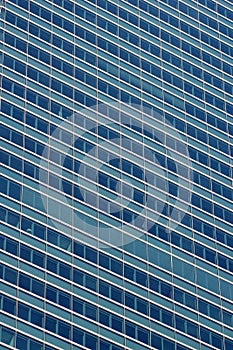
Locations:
(110, 68)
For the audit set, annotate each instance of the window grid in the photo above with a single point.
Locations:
(203, 120)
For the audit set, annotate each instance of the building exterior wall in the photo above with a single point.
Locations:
(117, 175)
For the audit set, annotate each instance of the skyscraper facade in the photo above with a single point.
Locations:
(117, 175)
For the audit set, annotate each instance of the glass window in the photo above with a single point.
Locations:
(166, 290)
(155, 312)
(25, 253)
(156, 341)
(51, 294)
(130, 301)
(78, 336)
(104, 260)
(9, 305)
(116, 266)
(228, 318)
(64, 270)
(64, 330)
(116, 294)
(78, 277)
(10, 276)
(21, 342)
(12, 247)
(90, 342)
(179, 295)
(24, 282)
(91, 255)
(38, 288)
(168, 345)
(130, 329)
(7, 336)
(23, 312)
(214, 312)
(78, 305)
(142, 306)
(52, 265)
(37, 318)
(91, 283)
(167, 318)
(143, 336)
(192, 329)
(180, 324)
(51, 324)
(104, 318)
(38, 259)
(13, 219)
(216, 341)
(91, 311)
